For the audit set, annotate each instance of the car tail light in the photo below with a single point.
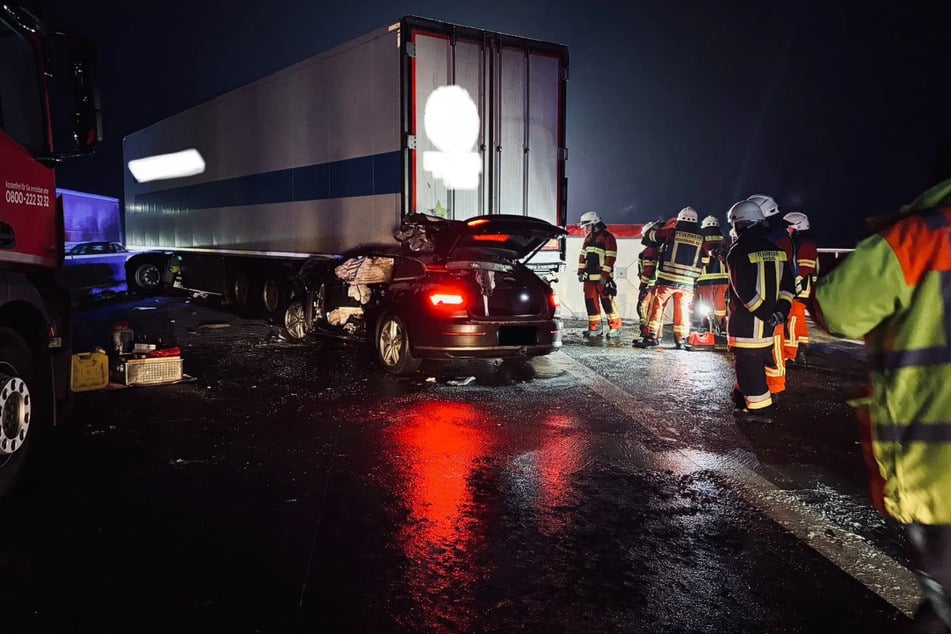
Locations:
(477, 222)
(491, 237)
(554, 301)
(447, 299)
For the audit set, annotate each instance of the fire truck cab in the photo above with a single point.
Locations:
(48, 112)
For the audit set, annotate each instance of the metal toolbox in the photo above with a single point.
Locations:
(149, 371)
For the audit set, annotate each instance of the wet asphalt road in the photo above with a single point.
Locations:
(301, 489)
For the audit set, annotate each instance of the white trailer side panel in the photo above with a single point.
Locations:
(307, 160)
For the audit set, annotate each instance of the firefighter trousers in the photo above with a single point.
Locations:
(594, 300)
(750, 365)
(645, 298)
(776, 368)
(797, 330)
(682, 298)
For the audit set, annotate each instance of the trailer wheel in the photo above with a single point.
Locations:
(241, 289)
(271, 294)
(144, 277)
(295, 324)
(23, 409)
(392, 346)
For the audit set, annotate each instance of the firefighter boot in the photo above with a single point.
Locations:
(614, 333)
(594, 333)
(802, 357)
(763, 415)
(646, 342)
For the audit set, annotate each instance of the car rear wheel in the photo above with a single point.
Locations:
(392, 346)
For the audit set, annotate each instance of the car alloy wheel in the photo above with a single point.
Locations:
(393, 346)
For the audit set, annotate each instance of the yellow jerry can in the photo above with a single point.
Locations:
(90, 371)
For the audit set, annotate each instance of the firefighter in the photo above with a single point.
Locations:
(596, 273)
(761, 293)
(713, 283)
(779, 235)
(796, 345)
(892, 291)
(681, 258)
(647, 272)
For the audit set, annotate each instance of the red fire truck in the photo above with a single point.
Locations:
(48, 112)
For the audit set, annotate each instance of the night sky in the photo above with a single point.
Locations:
(837, 109)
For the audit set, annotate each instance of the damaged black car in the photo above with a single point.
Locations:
(448, 289)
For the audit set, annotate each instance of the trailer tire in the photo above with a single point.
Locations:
(25, 406)
(393, 346)
(272, 295)
(144, 277)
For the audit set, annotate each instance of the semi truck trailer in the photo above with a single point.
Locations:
(48, 113)
(420, 116)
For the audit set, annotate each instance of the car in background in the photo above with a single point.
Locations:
(95, 248)
(450, 289)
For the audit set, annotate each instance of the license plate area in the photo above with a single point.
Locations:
(518, 336)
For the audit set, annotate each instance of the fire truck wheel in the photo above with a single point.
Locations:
(22, 407)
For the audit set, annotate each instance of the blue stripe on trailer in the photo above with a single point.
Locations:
(362, 176)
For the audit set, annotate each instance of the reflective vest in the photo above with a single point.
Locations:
(895, 291)
(681, 256)
(807, 264)
(760, 280)
(714, 268)
(598, 253)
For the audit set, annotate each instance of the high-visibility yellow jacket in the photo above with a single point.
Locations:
(895, 291)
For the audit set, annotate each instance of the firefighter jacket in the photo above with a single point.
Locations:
(714, 265)
(893, 290)
(647, 261)
(598, 253)
(681, 256)
(761, 284)
(807, 264)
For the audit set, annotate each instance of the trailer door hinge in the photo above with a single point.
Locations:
(411, 141)
(411, 49)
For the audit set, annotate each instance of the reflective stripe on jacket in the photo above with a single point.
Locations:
(808, 264)
(760, 281)
(598, 253)
(681, 256)
(895, 291)
(714, 268)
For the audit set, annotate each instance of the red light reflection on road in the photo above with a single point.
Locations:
(439, 444)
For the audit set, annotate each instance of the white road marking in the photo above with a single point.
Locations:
(851, 553)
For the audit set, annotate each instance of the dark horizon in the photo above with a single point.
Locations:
(836, 111)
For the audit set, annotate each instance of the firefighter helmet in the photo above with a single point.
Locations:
(687, 214)
(745, 213)
(797, 220)
(709, 221)
(589, 218)
(766, 203)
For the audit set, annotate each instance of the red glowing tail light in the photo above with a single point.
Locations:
(491, 237)
(447, 299)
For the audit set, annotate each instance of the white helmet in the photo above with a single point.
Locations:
(744, 213)
(589, 218)
(797, 220)
(709, 221)
(766, 203)
(687, 214)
